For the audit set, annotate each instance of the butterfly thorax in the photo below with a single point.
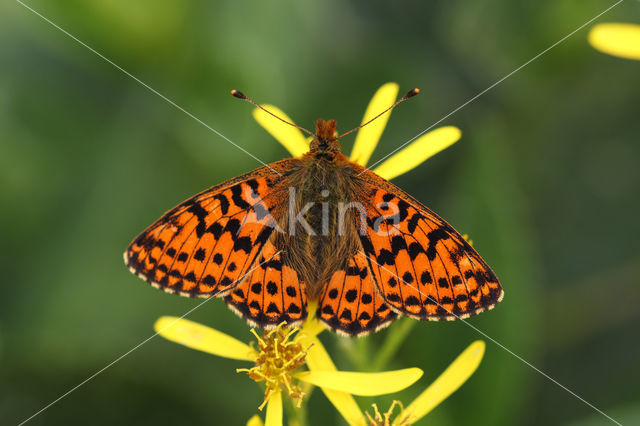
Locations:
(318, 232)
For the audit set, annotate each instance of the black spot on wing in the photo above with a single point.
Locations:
(263, 236)
(413, 223)
(201, 214)
(346, 314)
(398, 244)
(414, 250)
(434, 237)
(254, 185)
(224, 203)
(244, 244)
(291, 291)
(273, 263)
(236, 197)
(199, 255)
(233, 226)
(353, 271)
(403, 208)
(411, 301)
(367, 246)
(272, 288)
(386, 258)
(215, 229)
(293, 308)
(209, 280)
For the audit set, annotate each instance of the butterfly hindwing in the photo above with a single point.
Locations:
(206, 245)
(422, 266)
(350, 303)
(270, 294)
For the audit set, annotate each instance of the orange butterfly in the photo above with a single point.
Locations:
(316, 228)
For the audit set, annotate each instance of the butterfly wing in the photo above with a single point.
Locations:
(422, 267)
(205, 246)
(350, 304)
(271, 294)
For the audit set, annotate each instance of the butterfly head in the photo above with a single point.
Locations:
(325, 140)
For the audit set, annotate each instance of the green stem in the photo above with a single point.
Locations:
(297, 416)
(362, 351)
(394, 340)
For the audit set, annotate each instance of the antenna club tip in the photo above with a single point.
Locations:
(238, 94)
(412, 92)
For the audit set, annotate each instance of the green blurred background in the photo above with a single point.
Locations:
(545, 180)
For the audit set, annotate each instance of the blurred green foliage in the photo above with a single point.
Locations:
(545, 180)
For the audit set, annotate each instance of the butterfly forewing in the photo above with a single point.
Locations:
(208, 244)
(421, 265)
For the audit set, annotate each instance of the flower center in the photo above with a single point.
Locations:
(278, 357)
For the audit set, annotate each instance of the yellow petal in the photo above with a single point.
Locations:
(318, 359)
(317, 356)
(418, 151)
(449, 381)
(203, 338)
(292, 138)
(368, 136)
(616, 39)
(255, 421)
(366, 384)
(274, 410)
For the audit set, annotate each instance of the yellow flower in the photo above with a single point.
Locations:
(446, 384)
(277, 359)
(367, 138)
(617, 39)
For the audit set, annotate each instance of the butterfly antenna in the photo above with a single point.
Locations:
(411, 93)
(238, 94)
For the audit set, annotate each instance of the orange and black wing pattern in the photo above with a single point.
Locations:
(205, 246)
(350, 303)
(422, 267)
(270, 294)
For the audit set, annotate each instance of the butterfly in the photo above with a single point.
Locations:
(316, 229)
